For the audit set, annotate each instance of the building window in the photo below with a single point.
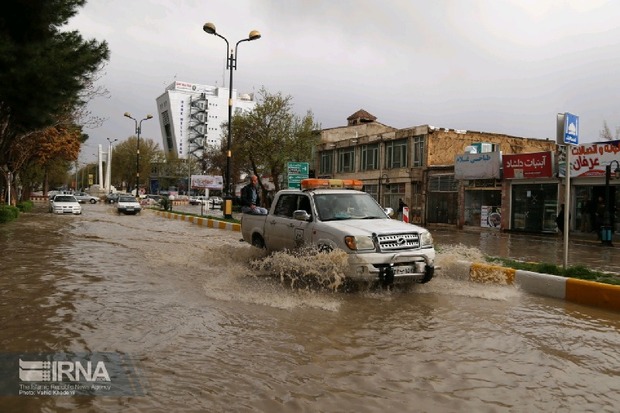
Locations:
(346, 160)
(417, 155)
(369, 157)
(396, 154)
(327, 163)
(392, 193)
(443, 183)
(372, 190)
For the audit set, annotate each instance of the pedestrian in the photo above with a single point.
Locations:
(250, 199)
(401, 206)
(599, 216)
(559, 220)
(586, 215)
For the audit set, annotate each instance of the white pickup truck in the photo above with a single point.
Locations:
(326, 214)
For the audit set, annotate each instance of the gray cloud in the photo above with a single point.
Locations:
(505, 66)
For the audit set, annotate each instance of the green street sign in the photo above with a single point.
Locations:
(296, 171)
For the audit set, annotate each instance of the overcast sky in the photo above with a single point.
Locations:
(502, 66)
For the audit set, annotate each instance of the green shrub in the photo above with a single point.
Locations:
(25, 206)
(8, 213)
(166, 203)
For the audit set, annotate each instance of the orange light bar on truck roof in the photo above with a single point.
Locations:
(313, 183)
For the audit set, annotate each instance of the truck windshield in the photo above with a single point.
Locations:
(347, 206)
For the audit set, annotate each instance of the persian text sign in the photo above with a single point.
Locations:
(591, 159)
(208, 181)
(528, 165)
(477, 166)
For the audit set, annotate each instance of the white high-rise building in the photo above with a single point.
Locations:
(191, 116)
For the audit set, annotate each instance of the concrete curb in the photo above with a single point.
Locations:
(574, 290)
(205, 222)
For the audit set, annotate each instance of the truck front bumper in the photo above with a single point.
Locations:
(392, 268)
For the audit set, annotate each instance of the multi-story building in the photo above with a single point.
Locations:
(191, 116)
(420, 165)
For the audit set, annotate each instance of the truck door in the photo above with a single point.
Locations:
(284, 232)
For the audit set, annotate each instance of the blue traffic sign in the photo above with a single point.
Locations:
(571, 129)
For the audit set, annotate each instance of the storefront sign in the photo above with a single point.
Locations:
(477, 166)
(528, 165)
(490, 216)
(207, 181)
(591, 159)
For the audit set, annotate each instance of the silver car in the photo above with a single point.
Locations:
(65, 204)
(128, 204)
(83, 197)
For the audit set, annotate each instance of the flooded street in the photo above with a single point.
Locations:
(208, 335)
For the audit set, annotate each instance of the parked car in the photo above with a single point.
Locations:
(199, 200)
(65, 204)
(128, 204)
(216, 200)
(151, 200)
(83, 197)
(113, 197)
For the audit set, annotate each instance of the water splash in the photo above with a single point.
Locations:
(305, 268)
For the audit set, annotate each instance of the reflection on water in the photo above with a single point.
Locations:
(212, 333)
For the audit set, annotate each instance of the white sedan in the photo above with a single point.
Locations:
(128, 204)
(65, 204)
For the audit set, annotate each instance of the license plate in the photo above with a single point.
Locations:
(404, 269)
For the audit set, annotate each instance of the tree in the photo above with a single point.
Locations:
(606, 134)
(124, 161)
(43, 73)
(269, 136)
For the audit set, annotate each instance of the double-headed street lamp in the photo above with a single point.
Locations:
(607, 230)
(231, 63)
(138, 130)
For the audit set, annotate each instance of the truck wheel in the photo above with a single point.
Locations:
(430, 271)
(258, 242)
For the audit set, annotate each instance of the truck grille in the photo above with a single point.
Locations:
(394, 242)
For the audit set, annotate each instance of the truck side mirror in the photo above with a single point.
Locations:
(389, 211)
(301, 215)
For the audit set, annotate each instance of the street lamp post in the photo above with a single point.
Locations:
(231, 63)
(387, 181)
(138, 130)
(607, 230)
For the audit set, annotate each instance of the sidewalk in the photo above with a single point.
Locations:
(583, 248)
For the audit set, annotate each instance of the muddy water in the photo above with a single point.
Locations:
(208, 334)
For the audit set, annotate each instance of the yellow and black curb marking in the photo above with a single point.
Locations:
(578, 291)
(205, 222)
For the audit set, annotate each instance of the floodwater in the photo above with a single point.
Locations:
(212, 328)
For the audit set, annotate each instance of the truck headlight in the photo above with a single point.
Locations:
(359, 243)
(426, 239)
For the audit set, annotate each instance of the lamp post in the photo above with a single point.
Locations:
(138, 130)
(231, 63)
(607, 230)
(381, 182)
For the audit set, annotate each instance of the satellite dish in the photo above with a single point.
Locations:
(471, 149)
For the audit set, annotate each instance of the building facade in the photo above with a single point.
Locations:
(191, 116)
(421, 165)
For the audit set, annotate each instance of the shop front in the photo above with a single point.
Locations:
(481, 190)
(595, 199)
(533, 191)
